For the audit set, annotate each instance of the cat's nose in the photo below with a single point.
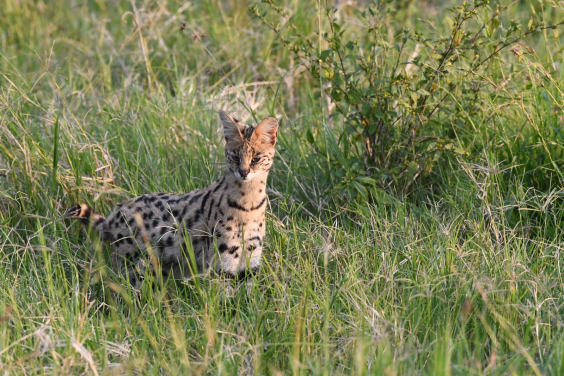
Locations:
(243, 173)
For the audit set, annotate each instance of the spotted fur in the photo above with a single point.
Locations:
(224, 224)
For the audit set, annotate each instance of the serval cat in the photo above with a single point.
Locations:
(225, 222)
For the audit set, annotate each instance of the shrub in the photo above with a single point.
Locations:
(410, 101)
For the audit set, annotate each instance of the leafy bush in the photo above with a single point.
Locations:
(410, 101)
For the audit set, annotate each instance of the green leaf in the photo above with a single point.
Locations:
(315, 72)
(349, 129)
(337, 95)
(366, 180)
(459, 150)
(325, 54)
(309, 136)
(366, 109)
(360, 189)
(354, 96)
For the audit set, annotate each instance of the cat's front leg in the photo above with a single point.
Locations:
(239, 259)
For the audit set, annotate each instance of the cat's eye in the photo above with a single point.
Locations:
(256, 160)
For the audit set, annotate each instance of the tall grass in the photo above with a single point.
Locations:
(100, 101)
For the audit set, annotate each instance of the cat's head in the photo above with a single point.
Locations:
(249, 150)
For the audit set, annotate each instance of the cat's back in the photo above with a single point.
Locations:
(150, 212)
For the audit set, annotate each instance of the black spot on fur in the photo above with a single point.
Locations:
(204, 200)
(119, 238)
(222, 247)
(220, 183)
(169, 242)
(163, 230)
(155, 222)
(234, 204)
(229, 228)
(166, 216)
(193, 199)
(248, 132)
(175, 213)
(230, 218)
(211, 207)
(233, 249)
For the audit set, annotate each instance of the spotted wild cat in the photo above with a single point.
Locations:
(224, 222)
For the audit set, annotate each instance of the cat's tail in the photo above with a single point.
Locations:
(85, 214)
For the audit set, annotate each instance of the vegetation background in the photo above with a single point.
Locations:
(415, 218)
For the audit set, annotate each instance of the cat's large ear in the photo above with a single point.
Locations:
(267, 131)
(231, 128)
